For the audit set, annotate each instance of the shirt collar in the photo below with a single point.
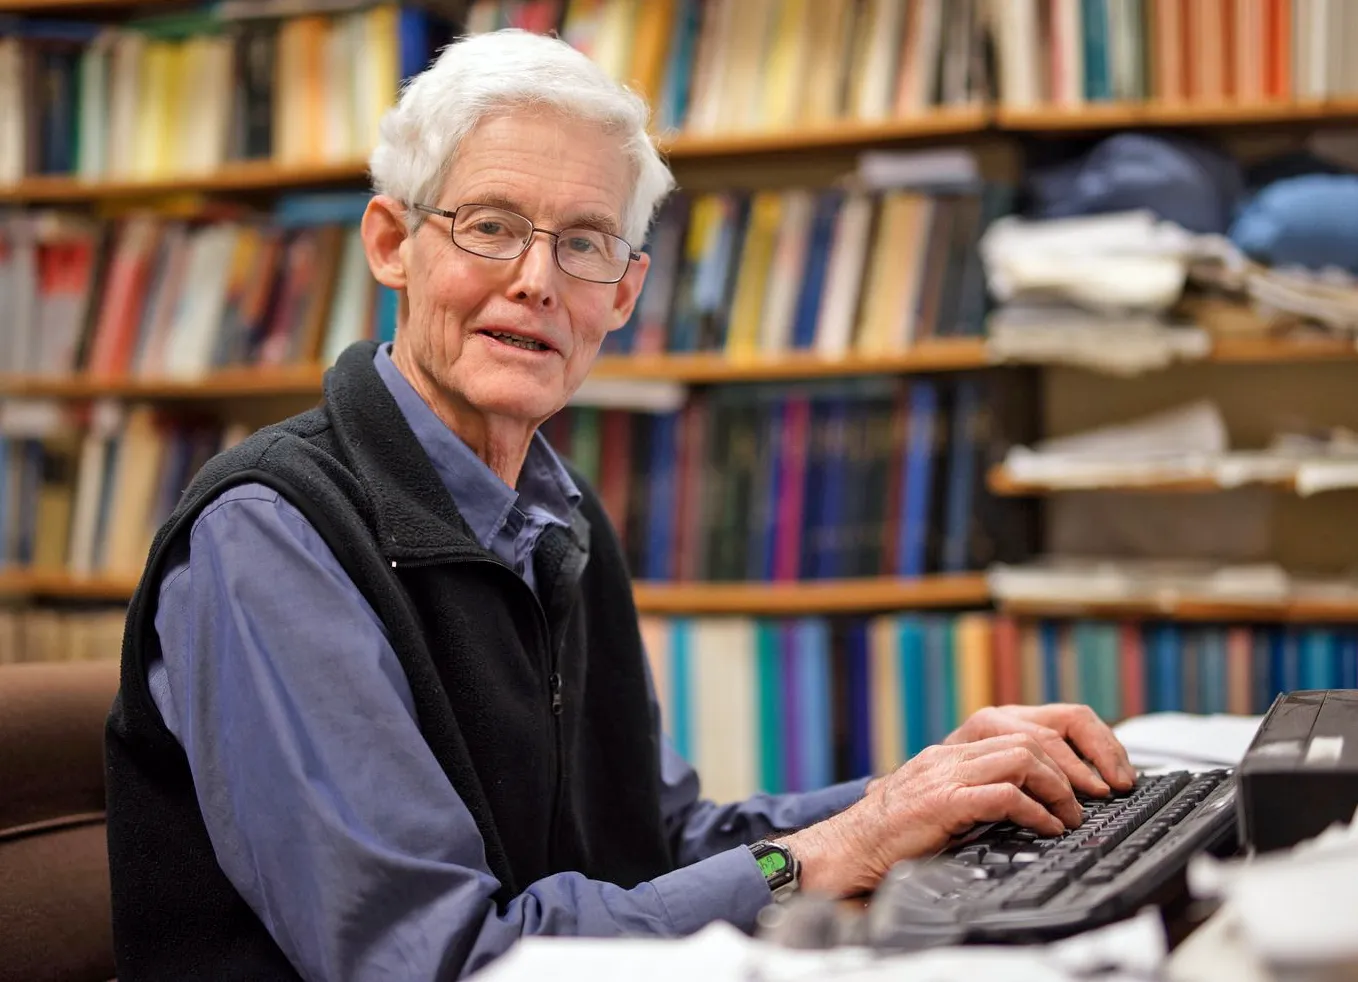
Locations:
(546, 491)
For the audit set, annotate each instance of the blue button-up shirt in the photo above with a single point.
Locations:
(324, 804)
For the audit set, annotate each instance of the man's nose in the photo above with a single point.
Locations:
(535, 279)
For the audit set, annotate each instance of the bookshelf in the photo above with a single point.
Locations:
(699, 368)
(263, 176)
(1195, 611)
(1123, 115)
(990, 119)
(754, 599)
(1002, 482)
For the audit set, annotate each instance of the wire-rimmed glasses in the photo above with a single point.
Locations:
(494, 233)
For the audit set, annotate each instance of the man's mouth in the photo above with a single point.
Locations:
(517, 340)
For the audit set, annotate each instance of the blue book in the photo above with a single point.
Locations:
(681, 689)
(961, 476)
(1098, 78)
(1287, 662)
(940, 679)
(1346, 653)
(663, 493)
(387, 300)
(914, 683)
(860, 700)
(1212, 684)
(769, 655)
(1314, 660)
(412, 33)
(917, 463)
(320, 208)
(1164, 652)
(1261, 666)
(813, 663)
(674, 93)
(817, 263)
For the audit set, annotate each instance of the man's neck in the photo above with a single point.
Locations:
(501, 443)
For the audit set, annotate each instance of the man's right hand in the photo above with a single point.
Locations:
(937, 795)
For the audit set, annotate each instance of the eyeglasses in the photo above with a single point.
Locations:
(494, 233)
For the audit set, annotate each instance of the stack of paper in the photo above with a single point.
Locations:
(1184, 741)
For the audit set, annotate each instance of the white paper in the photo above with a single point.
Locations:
(1129, 949)
(1207, 740)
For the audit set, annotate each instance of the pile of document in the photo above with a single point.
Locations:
(1132, 949)
(1160, 584)
(1183, 444)
(1291, 914)
(1095, 291)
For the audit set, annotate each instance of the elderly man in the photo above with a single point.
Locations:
(384, 706)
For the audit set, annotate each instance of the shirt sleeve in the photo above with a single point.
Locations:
(325, 806)
(699, 828)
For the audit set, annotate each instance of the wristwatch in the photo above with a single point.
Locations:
(781, 870)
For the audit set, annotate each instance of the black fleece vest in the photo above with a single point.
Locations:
(536, 710)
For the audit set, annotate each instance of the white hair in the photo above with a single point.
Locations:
(505, 70)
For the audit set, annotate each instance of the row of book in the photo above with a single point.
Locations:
(830, 271)
(864, 478)
(868, 477)
(1212, 52)
(716, 66)
(88, 500)
(796, 704)
(157, 296)
(185, 93)
(53, 634)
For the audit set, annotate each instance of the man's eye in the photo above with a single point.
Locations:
(489, 228)
(581, 245)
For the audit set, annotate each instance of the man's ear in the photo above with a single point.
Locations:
(383, 230)
(629, 289)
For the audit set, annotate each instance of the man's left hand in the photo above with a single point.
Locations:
(1052, 726)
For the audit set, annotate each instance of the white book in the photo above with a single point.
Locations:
(877, 87)
(844, 277)
(11, 112)
(726, 731)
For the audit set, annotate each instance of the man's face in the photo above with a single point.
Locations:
(557, 173)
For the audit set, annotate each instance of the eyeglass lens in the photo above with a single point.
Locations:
(498, 234)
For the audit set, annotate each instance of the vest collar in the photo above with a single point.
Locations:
(416, 516)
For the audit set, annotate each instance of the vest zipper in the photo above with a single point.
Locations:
(556, 703)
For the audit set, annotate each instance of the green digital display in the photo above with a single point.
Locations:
(772, 863)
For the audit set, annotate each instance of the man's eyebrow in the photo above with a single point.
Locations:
(597, 221)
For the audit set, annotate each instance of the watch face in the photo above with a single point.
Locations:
(772, 863)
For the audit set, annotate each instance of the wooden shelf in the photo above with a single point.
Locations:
(845, 133)
(1195, 611)
(57, 585)
(813, 597)
(260, 176)
(1002, 483)
(1281, 350)
(1117, 115)
(772, 599)
(305, 380)
(704, 367)
(42, 8)
(299, 380)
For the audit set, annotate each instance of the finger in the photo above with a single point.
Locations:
(1028, 767)
(1081, 775)
(1005, 802)
(1095, 739)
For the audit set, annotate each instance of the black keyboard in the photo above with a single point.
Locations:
(1009, 884)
